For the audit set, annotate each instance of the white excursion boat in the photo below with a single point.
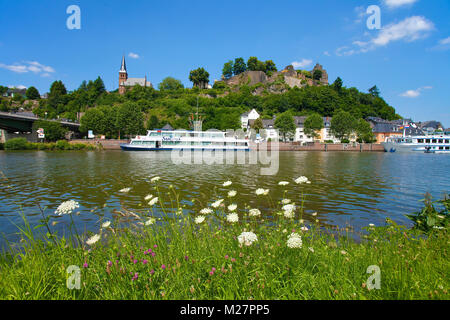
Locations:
(160, 140)
(427, 144)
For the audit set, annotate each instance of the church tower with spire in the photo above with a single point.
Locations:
(123, 76)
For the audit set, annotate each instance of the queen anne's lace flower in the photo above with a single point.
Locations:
(67, 207)
(92, 240)
(106, 224)
(233, 218)
(227, 183)
(294, 241)
(283, 183)
(153, 201)
(289, 207)
(125, 190)
(232, 207)
(247, 238)
(217, 203)
(148, 197)
(232, 193)
(254, 213)
(206, 211)
(154, 179)
(150, 221)
(302, 180)
(285, 201)
(260, 192)
(289, 214)
(199, 219)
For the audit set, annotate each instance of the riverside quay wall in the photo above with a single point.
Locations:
(115, 145)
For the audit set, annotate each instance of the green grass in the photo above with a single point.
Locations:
(23, 144)
(329, 265)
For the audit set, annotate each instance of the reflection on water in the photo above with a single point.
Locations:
(347, 188)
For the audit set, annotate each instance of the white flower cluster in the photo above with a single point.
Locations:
(261, 192)
(283, 183)
(254, 213)
(232, 207)
(199, 219)
(148, 197)
(285, 201)
(233, 218)
(150, 221)
(232, 193)
(92, 240)
(227, 183)
(125, 190)
(155, 179)
(294, 241)
(302, 180)
(217, 203)
(206, 211)
(247, 238)
(153, 201)
(67, 207)
(289, 211)
(106, 224)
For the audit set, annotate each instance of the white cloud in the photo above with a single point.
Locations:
(398, 3)
(302, 64)
(415, 93)
(360, 14)
(327, 53)
(17, 87)
(408, 30)
(28, 66)
(445, 41)
(133, 55)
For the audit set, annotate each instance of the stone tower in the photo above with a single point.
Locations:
(123, 76)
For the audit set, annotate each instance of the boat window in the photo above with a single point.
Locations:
(441, 141)
(434, 140)
(447, 148)
(441, 148)
(428, 141)
(419, 140)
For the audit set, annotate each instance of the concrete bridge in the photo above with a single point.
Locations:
(22, 122)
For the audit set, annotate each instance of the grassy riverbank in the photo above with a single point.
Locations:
(61, 145)
(223, 252)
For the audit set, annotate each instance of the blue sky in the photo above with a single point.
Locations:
(408, 58)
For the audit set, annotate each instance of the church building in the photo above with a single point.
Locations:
(125, 82)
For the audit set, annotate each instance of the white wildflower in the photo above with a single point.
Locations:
(304, 228)
(153, 201)
(232, 207)
(155, 179)
(67, 207)
(199, 219)
(206, 211)
(302, 180)
(254, 213)
(294, 241)
(217, 203)
(125, 190)
(311, 249)
(232, 193)
(247, 238)
(148, 197)
(260, 192)
(227, 183)
(289, 207)
(283, 183)
(106, 224)
(289, 214)
(285, 201)
(150, 221)
(314, 214)
(93, 239)
(233, 218)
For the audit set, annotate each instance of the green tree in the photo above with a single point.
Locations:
(342, 124)
(130, 120)
(53, 131)
(252, 63)
(364, 131)
(199, 77)
(153, 123)
(374, 91)
(286, 125)
(94, 119)
(313, 124)
(3, 90)
(239, 66)
(317, 75)
(258, 125)
(270, 66)
(32, 93)
(337, 85)
(227, 70)
(170, 83)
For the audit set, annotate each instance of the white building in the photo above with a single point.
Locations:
(246, 117)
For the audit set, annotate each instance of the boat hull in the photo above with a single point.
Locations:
(128, 147)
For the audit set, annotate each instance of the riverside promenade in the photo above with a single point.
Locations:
(293, 146)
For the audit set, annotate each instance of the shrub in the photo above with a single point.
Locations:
(2, 146)
(16, 144)
(345, 141)
(63, 145)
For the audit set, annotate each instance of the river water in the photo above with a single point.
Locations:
(347, 188)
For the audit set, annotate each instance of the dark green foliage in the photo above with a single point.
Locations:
(429, 219)
(32, 93)
(239, 66)
(153, 123)
(16, 144)
(170, 83)
(227, 70)
(285, 125)
(364, 131)
(258, 125)
(313, 124)
(374, 91)
(53, 130)
(199, 77)
(317, 75)
(342, 125)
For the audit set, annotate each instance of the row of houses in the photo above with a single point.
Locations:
(382, 129)
(248, 119)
